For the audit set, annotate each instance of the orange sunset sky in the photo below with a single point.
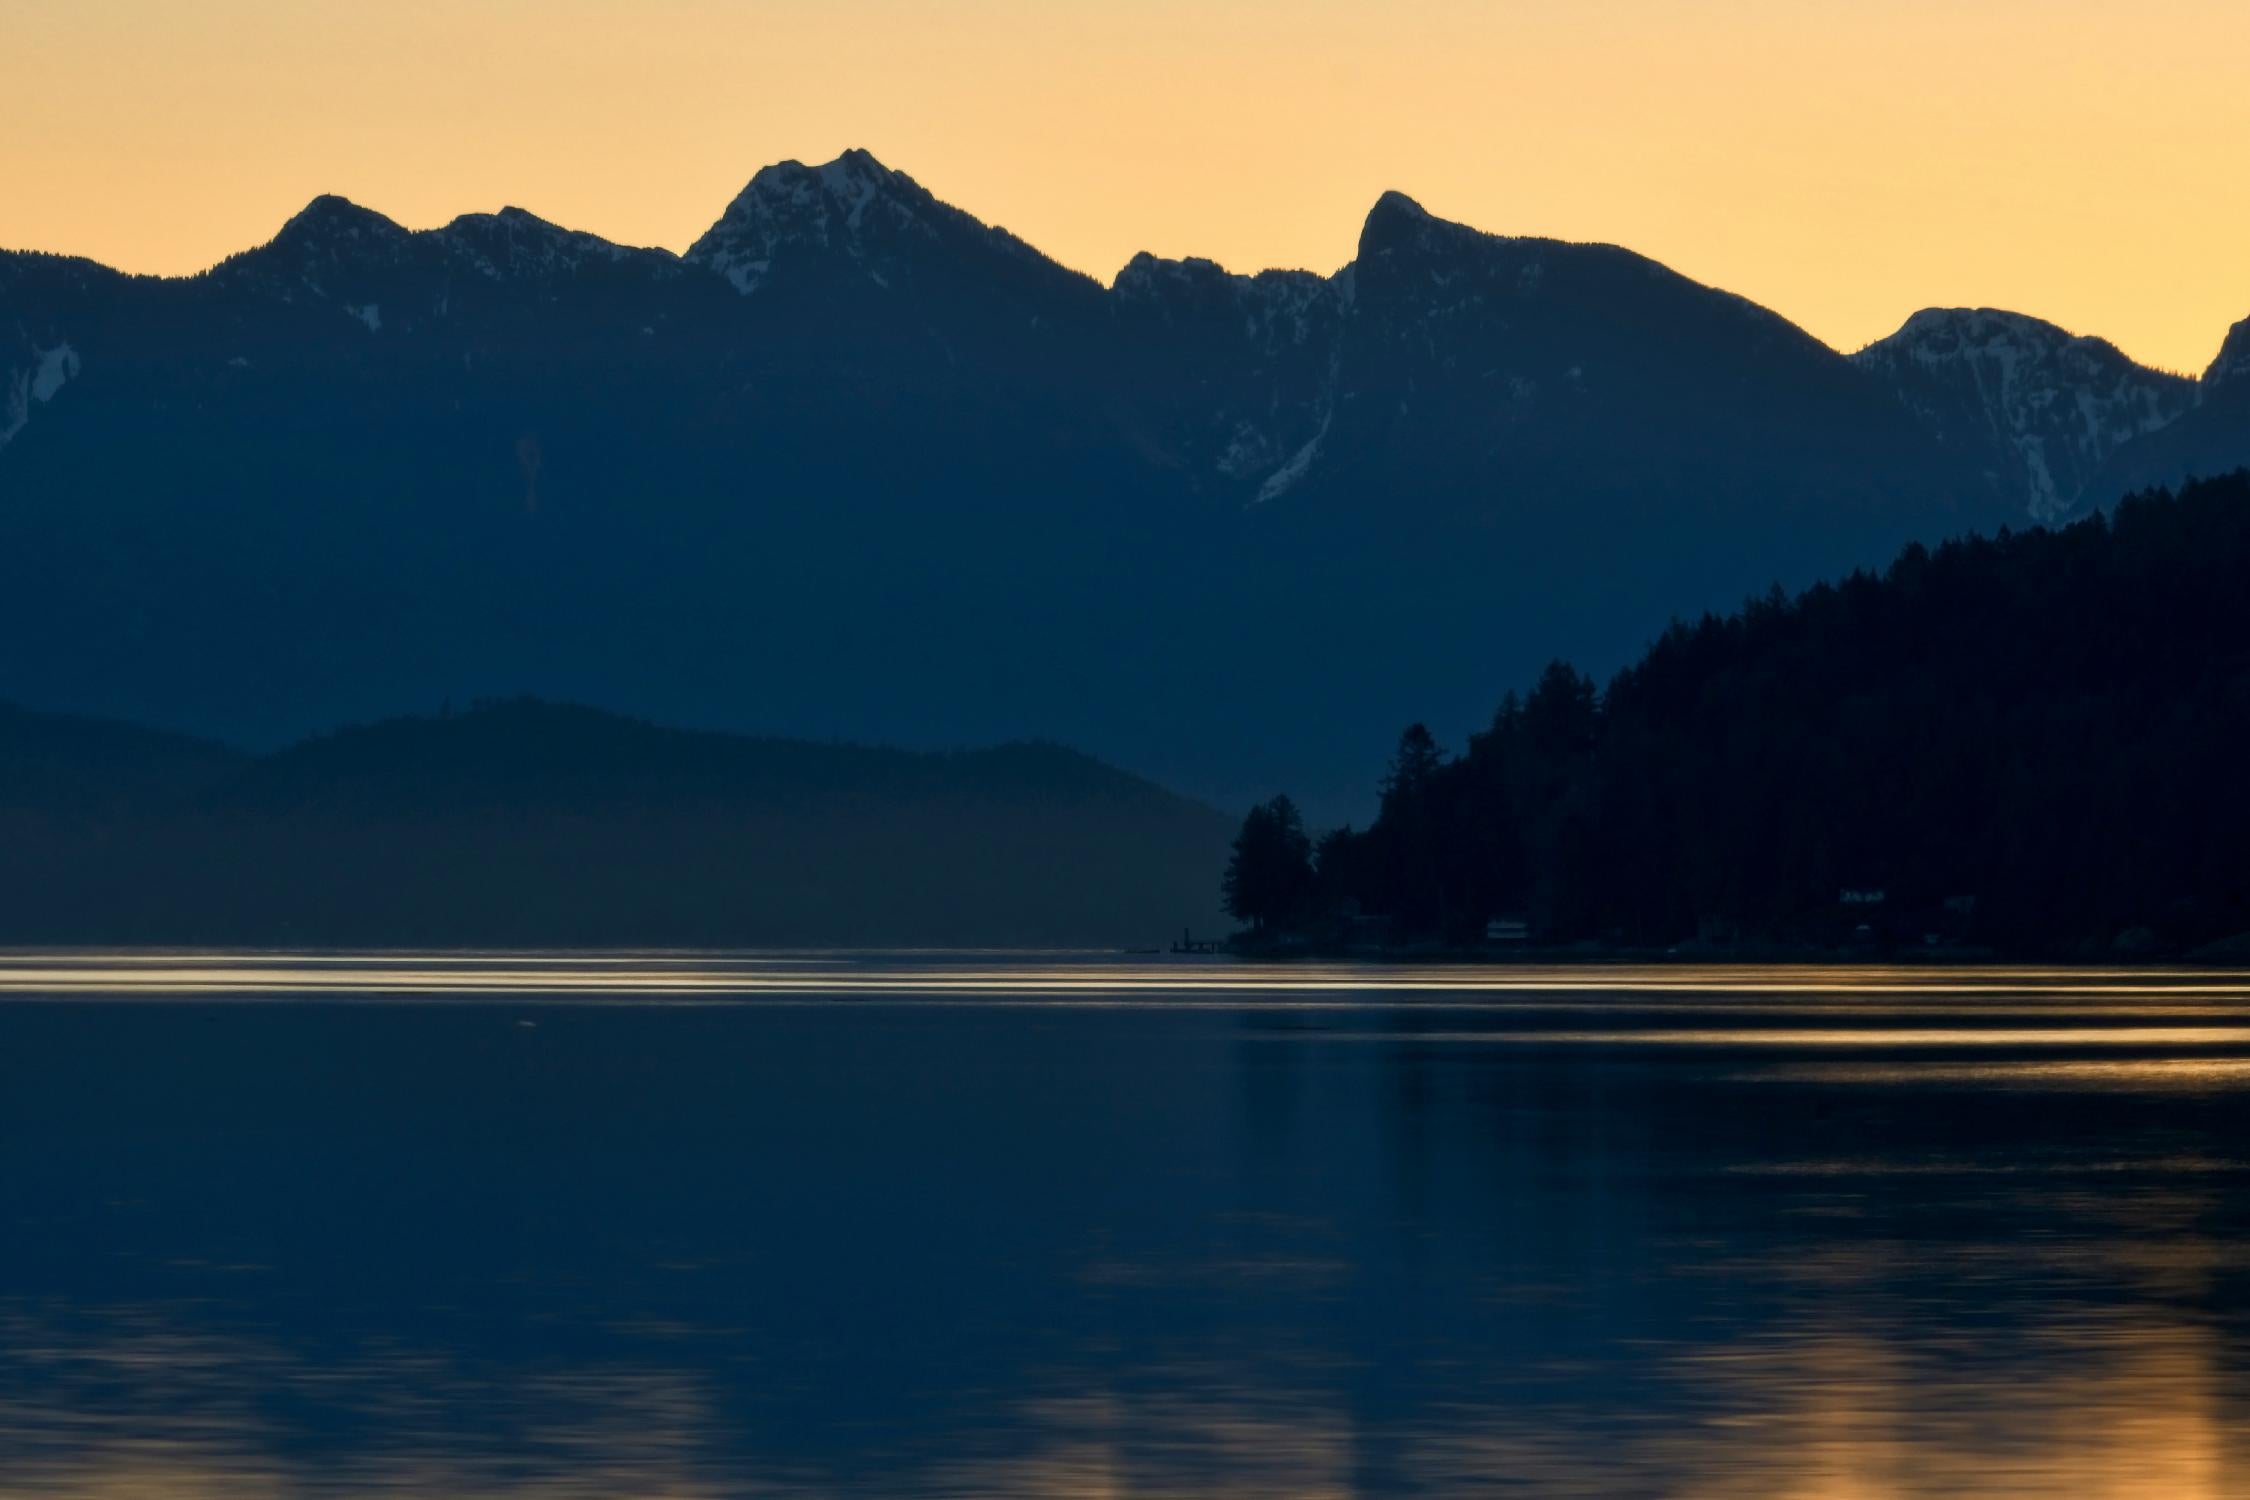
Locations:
(1842, 161)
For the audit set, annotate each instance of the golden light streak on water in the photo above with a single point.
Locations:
(976, 979)
(1833, 1036)
(2168, 1073)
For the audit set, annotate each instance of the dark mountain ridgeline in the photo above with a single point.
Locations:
(861, 465)
(2030, 743)
(62, 765)
(528, 823)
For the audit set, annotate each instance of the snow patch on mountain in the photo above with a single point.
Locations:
(1248, 451)
(35, 384)
(15, 405)
(1292, 473)
(56, 368)
(2045, 408)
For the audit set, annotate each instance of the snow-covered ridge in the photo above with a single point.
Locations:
(2050, 406)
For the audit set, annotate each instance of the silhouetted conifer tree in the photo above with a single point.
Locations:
(1269, 878)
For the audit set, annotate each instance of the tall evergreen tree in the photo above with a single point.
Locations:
(1269, 878)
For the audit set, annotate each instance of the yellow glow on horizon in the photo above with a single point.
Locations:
(1842, 163)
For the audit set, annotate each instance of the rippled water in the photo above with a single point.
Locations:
(1065, 1226)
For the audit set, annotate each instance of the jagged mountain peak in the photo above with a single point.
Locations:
(1398, 222)
(1415, 264)
(1149, 275)
(1268, 311)
(853, 208)
(1257, 352)
(1403, 247)
(1159, 279)
(334, 251)
(2013, 345)
(322, 253)
(853, 176)
(332, 219)
(517, 243)
(1929, 320)
(510, 220)
(2233, 363)
(1432, 280)
(856, 164)
(1395, 204)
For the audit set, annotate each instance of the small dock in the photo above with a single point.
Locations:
(1187, 942)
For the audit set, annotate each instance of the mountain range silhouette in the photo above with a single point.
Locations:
(860, 465)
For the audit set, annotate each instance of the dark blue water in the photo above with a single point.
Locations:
(978, 1226)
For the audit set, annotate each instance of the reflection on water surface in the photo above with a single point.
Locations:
(1063, 1225)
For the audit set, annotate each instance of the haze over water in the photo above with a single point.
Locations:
(1064, 1225)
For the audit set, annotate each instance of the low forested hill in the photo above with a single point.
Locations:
(531, 823)
(2034, 742)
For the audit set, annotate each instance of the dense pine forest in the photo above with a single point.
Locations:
(2031, 743)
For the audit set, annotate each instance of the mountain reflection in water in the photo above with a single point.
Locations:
(981, 1225)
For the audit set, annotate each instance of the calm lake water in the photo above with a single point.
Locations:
(1080, 1226)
